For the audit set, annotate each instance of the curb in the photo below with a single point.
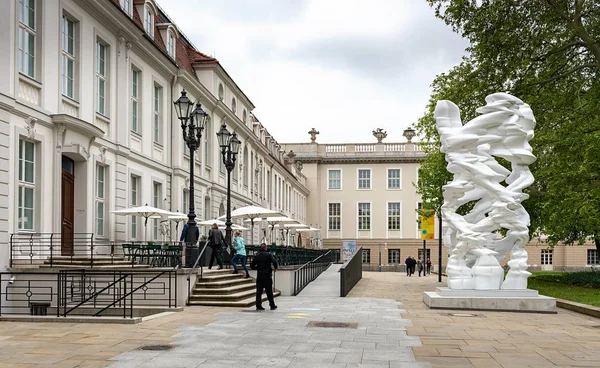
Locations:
(578, 307)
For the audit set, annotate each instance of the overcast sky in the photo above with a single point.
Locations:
(345, 67)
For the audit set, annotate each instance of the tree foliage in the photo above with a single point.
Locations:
(547, 53)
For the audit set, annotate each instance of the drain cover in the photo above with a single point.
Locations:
(461, 314)
(156, 347)
(332, 324)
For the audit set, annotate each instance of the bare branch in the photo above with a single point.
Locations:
(571, 71)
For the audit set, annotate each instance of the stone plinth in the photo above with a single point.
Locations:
(493, 300)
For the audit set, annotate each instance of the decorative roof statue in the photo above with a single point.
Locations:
(313, 135)
(380, 134)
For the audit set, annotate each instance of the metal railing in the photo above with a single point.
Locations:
(82, 249)
(309, 271)
(351, 273)
(189, 276)
(86, 292)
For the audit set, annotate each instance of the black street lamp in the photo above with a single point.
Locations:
(230, 145)
(192, 124)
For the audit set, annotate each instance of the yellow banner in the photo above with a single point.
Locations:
(427, 221)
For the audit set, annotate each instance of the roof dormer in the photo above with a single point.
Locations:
(170, 35)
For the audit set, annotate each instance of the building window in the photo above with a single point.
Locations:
(592, 257)
(394, 178)
(171, 44)
(335, 216)
(394, 216)
(101, 78)
(27, 33)
(68, 57)
(221, 92)
(135, 108)
(245, 168)
(546, 257)
(149, 21)
(186, 201)
(156, 200)
(135, 185)
(364, 179)
(335, 179)
(245, 116)
(233, 105)
(364, 216)
(126, 6)
(100, 199)
(366, 256)
(394, 256)
(156, 114)
(420, 254)
(26, 185)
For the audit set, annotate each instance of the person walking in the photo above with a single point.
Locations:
(262, 264)
(240, 253)
(428, 263)
(420, 266)
(215, 236)
(407, 263)
(183, 236)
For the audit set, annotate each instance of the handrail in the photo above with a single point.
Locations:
(95, 295)
(308, 272)
(189, 276)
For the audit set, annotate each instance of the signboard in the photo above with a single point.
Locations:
(348, 249)
(427, 221)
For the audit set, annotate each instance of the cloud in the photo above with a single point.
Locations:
(343, 67)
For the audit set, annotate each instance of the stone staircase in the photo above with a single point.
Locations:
(223, 288)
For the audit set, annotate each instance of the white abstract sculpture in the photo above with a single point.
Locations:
(475, 240)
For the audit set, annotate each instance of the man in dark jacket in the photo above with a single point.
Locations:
(262, 264)
(215, 237)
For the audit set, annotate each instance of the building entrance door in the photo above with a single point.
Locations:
(68, 206)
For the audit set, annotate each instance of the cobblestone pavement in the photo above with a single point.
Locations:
(393, 329)
(490, 339)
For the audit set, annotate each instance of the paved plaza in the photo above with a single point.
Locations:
(388, 326)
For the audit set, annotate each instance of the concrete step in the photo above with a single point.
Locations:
(214, 271)
(87, 258)
(200, 283)
(84, 263)
(221, 277)
(237, 303)
(225, 290)
(224, 297)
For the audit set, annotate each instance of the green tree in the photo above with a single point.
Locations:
(547, 53)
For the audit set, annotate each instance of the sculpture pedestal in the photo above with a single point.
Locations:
(492, 300)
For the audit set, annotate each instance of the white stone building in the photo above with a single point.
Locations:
(87, 124)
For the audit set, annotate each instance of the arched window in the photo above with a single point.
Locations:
(149, 21)
(244, 117)
(233, 105)
(171, 43)
(221, 92)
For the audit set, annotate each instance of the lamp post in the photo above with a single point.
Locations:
(192, 124)
(230, 145)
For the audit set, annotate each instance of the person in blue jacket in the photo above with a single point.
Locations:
(183, 236)
(240, 253)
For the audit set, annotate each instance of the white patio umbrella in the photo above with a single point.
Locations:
(287, 227)
(311, 229)
(177, 217)
(251, 213)
(144, 211)
(272, 221)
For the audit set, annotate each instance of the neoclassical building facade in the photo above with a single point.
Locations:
(87, 124)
